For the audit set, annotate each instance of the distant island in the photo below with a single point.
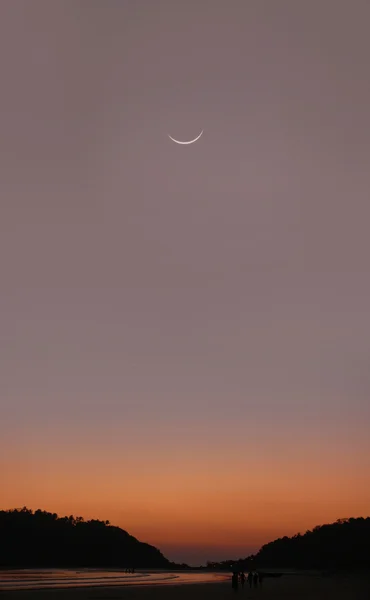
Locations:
(42, 539)
(344, 544)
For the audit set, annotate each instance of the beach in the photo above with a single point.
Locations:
(288, 587)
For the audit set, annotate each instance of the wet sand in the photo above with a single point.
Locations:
(288, 587)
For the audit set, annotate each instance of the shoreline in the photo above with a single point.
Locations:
(159, 591)
(292, 586)
(63, 580)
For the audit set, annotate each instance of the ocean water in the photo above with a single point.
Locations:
(28, 579)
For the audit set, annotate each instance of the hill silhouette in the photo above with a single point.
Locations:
(340, 545)
(42, 539)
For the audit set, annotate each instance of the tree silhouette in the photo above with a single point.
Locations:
(42, 539)
(340, 545)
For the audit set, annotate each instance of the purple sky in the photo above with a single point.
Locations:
(146, 284)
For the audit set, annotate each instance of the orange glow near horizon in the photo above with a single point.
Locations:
(180, 504)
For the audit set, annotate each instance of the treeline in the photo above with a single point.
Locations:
(42, 539)
(340, 545)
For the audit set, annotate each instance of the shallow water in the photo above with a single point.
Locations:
(30, 579)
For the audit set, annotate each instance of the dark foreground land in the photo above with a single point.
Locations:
(288, 587)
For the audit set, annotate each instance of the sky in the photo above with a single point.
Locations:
(185, 330)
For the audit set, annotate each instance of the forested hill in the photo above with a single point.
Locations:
(42, 539)
(344, 544)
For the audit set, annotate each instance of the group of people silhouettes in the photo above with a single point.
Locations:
(254, 579)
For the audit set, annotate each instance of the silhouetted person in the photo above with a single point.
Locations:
(242, 579)
(260, 578)
(255, 579)
(234, 581)
(250, 578)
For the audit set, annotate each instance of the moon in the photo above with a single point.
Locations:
(189, 142)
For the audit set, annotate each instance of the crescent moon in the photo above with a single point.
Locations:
(189, 142)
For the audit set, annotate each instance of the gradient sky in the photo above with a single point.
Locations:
(185, 330)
